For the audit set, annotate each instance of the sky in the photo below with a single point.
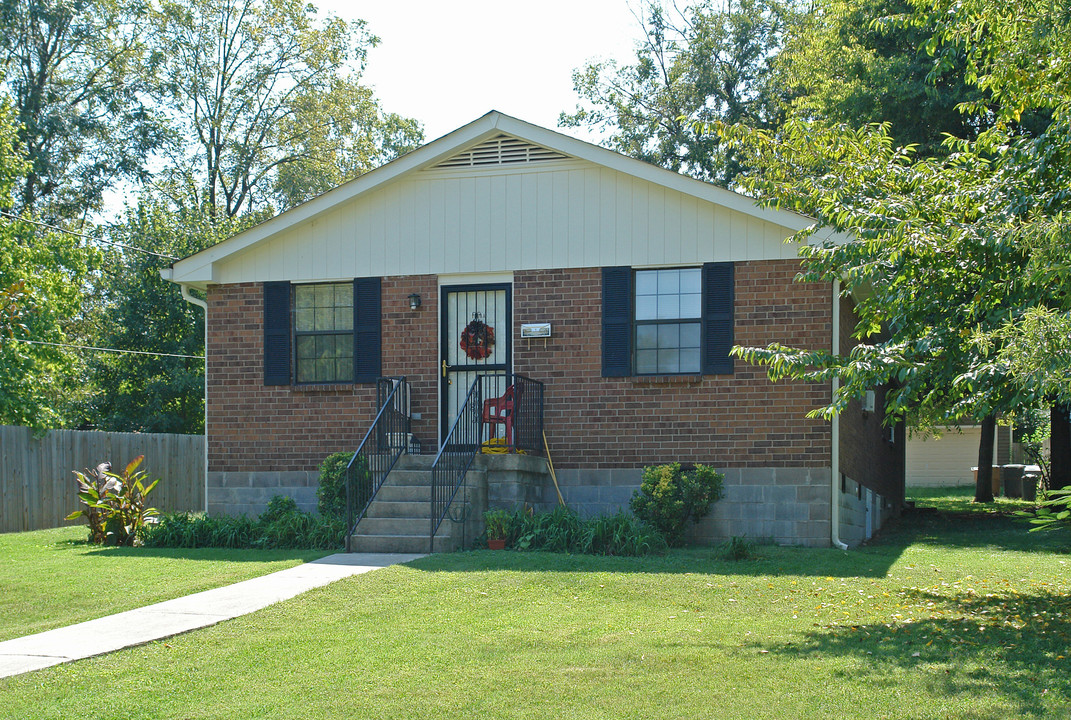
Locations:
(448, 63)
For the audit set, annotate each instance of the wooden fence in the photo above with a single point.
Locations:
(37, 487)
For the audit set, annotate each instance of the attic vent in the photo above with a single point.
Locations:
(501, 150)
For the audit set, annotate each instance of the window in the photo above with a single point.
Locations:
(323, 332)
(668, 321)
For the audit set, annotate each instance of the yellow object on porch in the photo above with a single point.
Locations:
(498, 446)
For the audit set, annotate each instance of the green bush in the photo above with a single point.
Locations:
(669, 498)
(279, 507)
(738, 548)
(562, 530)
(282, 525)
(331, 492)
(620, 534)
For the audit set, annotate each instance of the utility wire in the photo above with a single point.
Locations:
(83, 235)
(114, 350)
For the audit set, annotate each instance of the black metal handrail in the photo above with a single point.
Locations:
(454, 458)
(386, 440)
(502, 412)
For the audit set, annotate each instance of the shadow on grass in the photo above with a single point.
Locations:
(1016, 645)
(205, 554)
(926, 527)
(995, 530)
(768, 561)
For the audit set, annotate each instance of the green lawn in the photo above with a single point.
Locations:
(946, 616)
(960, 499)
(51, 578)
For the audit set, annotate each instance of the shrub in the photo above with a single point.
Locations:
(331, 492)
(739, 548)
(115, 504)
(669, 498)
(620, 534)
(281, 526)
(562, 530)
(279, 508)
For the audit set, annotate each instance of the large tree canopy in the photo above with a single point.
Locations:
(159, 387)
(955, 256)
(79, 77)
(710, 61)
(858, 62)
(270, 101)
(41, 279)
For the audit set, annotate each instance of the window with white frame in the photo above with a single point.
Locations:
(667, 321)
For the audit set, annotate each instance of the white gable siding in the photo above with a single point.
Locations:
(572, 214)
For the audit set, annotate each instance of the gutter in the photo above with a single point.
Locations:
(834, 479)
(204, 306)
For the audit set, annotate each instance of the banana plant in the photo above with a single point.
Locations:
(115, 504)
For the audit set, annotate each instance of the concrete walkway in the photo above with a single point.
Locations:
(180, 615)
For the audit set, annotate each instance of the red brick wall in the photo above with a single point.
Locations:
(866, 455)
(256, 428)
(741, 420)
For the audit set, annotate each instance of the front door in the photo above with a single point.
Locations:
(476, 324)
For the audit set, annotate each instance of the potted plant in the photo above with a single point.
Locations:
(497, 522)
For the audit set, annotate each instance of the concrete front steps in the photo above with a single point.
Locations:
(399, 518)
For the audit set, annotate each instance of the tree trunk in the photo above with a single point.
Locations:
(983, 488)
(1060, 445)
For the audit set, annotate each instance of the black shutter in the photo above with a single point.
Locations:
(367, 330)
(717, 318)
(616, 321)
(277, 333)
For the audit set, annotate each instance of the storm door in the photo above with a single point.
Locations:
(476, 323)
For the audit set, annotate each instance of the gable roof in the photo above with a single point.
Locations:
(493, 139)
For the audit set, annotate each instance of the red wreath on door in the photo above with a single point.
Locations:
(478, 340)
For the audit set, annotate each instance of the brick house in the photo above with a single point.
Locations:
(645, 277)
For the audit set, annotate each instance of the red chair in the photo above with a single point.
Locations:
(499, 411)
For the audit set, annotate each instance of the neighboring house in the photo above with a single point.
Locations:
(949, 457)
(646, 279)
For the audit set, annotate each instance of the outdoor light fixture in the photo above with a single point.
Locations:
(414, 301)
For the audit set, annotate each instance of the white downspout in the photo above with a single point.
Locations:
(834, 480)
(204, 306)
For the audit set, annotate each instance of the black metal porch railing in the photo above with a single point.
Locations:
(383, 444)
(512, 412)
(502, 413)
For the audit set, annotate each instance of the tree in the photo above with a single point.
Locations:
(11, 309)
(271, 97)
(846, 61)
(76, 71)
(946, 247)
(41, 276)
(707, 62)
(161, 390)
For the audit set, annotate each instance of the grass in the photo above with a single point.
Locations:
(945, 615)
(51, 578)
(960, 499)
